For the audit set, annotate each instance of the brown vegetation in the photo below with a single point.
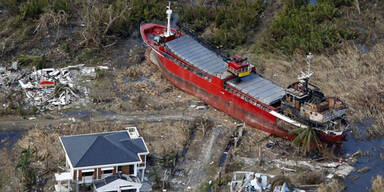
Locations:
(377, 184)
(335, 185)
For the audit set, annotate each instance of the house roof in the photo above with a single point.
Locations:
(103, 148)
(115, 182)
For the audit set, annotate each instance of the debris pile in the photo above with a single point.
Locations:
(50, 87)
(244, 181)
(341, 169)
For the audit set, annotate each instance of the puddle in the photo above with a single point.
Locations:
(83, 115)
(362, 47)
(75, 113)
(71, 30)
(9, 138)
(144, 78)
(186, 147)
(312, 2)
(225, 154)
(370, 158)
(106, 113)
(3, 11)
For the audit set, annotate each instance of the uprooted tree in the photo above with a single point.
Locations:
(98, 21)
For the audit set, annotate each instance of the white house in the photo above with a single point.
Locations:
(111, 161)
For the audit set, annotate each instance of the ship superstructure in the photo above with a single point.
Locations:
(234, 86)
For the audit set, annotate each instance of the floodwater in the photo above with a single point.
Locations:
(9, 138)
(371, 150)
(313, 2)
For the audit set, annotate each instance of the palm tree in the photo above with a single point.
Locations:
(306, 139)
(24, 165)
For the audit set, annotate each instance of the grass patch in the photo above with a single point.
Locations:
(205, 186)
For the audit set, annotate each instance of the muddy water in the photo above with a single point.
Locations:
(371, 150)
(9, 138)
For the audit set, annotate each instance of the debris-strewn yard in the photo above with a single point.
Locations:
(74, 67)
(46, 89)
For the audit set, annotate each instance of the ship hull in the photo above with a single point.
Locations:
(215, 95)
(258, 120)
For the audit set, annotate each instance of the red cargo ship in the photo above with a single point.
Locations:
(234, 87)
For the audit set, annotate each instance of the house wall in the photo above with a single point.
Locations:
(99, 173)
(95, 173)
(131, 169)
(127, 169)
(80, 175)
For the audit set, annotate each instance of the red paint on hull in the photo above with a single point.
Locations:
(226, 102)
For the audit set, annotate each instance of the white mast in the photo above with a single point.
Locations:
(169, 14)
(306, 76)
(309, 57)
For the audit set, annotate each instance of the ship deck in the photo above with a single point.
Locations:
(258, 87)
(194, 53)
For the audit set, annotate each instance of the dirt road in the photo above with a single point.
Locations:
(24, 124)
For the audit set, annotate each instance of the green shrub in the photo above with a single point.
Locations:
(11, 5)
(33, 8)
(86, 55)
(36, 61)
(139, 10)
(232, 20)
(302, 27)
(24, 165)
(16, 22)
(3, 179)
(197, 17)
(61, 5)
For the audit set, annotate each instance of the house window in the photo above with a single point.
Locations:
(119, 169)
(129, 190)
(108, 171)
(88, 173)
(131, 169)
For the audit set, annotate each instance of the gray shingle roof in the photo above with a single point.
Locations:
(103, 148)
